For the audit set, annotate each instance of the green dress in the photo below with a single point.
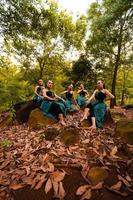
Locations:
(98, 108)
(52, 109)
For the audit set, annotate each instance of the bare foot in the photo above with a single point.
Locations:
(92, 128)
(83, 119)
(62, 123)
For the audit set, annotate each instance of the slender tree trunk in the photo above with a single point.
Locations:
(123, 90)
(41, 66)
(117, 62)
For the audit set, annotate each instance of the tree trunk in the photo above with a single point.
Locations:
(41, 66)
(123, 90)
(113, 101)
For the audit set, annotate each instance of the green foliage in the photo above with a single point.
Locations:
(83, 71)
(110, 24)
(5, 143)
(13, 88)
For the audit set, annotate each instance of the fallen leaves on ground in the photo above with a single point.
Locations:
(31, 160)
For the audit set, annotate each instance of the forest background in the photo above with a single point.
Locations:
(38, 40)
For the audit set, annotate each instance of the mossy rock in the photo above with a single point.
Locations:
(97, 174)
(124, 129)
(86, 123)
(50, 134)
(7, 120)
(108, 120)
(70, 135)
(37, 120)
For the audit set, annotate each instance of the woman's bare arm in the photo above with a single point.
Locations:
(46, 96)
(111, 96)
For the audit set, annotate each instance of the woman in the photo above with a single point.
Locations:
(38, 91)
(53, 105)
(68, 96)
(96, 107)
(81, 99)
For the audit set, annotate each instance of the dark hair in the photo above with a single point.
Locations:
(102, 83)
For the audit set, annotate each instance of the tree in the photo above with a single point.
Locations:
(110, 30)
(38, 33)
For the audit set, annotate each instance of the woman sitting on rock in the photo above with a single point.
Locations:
(52, 105)
(81, 99)
(68, 96)
(96, 107)
(38, 92)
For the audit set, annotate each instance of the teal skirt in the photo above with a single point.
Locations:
(99, 109)
(81, 101)
(46, 105)
(37, 99)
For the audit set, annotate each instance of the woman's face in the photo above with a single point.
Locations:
(100, 84)
(69, 87)
(81, 86)
(49, 84)
(40, 82)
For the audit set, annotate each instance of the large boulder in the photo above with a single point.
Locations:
(97, 174)
(38, 120)
(108, 120)
(70, 135)
(124, 129)
(23, 110)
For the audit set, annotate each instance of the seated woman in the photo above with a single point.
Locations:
(68, 96)
(38, 92)
(52, 105)
(81, 99)
(96, 107)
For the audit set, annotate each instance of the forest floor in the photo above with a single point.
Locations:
(44, 164)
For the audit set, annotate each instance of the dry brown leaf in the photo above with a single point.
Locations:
(82, 189)
(36, 179)
(41, 181)
(48, 186)
(123, 194)
(4, 164)
(87, 195)
(49, 145)
(86, 141)
(117, 186)
(27, 180)
(58, 176)
(55, 187)
(16, 186)
(27, 168)
(43, 168)
(50, 167)
(113, 151)
(128, 178)
(124, 181)
(45, 158)
(98, 186)
(62, 192)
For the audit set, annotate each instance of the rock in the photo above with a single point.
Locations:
(97, 174)
(70, 135)
(108, 120)
(6, 119)
(128, 107)
(124, 129)
(50, 134)
(23, 110)
(37, 120)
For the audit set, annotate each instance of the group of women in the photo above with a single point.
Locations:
(57, 107)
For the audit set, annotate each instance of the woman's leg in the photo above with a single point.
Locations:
(61, 119)
(85, 114)
(56, 110)
(93, 126)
